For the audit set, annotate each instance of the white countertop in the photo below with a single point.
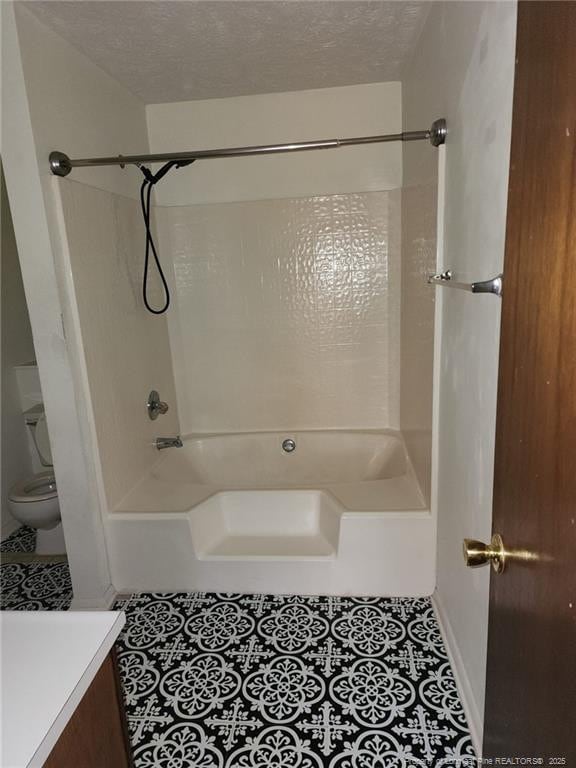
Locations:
(49, 659)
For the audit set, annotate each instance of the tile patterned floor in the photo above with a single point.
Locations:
(263, 681)
(22, 540)
(260, 681)
(41, 586)
(35, 587)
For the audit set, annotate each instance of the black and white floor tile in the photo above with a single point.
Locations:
(22, 540)
(35, 587)
(32, 586)
(260, 681)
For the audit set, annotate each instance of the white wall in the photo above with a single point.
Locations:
(357, 110)
(463, 70)
(286, 313)
(17, 348)
(77, 108)
(54, 98)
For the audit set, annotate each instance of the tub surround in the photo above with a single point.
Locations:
(313, 282)
(286, 313)
(127, 351)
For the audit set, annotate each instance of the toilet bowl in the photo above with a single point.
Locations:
(34, 500)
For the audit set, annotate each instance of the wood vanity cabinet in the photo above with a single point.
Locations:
(97, 734)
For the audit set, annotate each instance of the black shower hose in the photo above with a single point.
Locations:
(150, 180)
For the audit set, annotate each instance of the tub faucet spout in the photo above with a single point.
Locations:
(168, 442)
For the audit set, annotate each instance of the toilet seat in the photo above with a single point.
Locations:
(40, 487)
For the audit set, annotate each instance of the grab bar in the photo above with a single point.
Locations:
(493, 285)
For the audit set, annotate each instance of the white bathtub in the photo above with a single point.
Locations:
(365, 471)
(257, 459)
(240, 499)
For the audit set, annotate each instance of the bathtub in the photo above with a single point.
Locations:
(242, 499)
(258, 460)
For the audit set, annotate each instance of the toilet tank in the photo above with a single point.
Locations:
(43, 441)
(38, 438)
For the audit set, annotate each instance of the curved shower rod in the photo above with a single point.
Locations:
(61, 164)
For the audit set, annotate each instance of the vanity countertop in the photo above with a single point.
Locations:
(49, 659)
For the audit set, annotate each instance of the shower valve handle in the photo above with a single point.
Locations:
(155, 406)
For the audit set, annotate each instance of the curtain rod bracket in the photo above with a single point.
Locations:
(60, 164)
(438, 132)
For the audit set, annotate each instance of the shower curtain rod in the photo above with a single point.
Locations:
(61, 164)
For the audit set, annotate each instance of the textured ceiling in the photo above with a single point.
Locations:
(192, 49)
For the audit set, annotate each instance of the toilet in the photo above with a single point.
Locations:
(34, 500)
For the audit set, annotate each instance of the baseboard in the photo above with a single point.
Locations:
(473, 715)
(102, 603)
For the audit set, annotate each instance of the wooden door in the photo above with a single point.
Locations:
(531, 677)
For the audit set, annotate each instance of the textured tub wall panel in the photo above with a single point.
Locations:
(395, 257)
(419, 210)
(272, 118)
(288, 313)
(419, 206)
(127, 350)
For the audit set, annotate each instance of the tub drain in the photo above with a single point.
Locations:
(288, 445)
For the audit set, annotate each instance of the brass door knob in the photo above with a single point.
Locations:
(477, 553)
